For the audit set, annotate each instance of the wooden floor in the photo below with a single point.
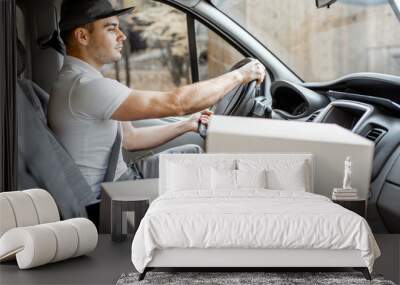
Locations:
(110, 260)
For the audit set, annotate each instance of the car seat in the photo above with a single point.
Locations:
(42, 161)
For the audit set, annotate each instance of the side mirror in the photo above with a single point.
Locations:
(324, 3)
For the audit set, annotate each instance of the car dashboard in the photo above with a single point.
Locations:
(368, 104)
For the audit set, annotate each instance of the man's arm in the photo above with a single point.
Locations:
(187, 99)
(149, 137)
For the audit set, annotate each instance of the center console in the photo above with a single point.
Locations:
(346, 114)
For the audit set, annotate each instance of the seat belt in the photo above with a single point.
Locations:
(102, 212)
(114, 155)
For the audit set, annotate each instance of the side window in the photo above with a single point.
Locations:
(155, 53)
(215, 55)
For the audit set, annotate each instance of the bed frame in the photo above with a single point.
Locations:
(256, 258)
(242, 258)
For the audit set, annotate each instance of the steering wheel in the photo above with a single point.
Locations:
(239, 101)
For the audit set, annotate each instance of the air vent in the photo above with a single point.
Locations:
(375, 134)
(313, 116)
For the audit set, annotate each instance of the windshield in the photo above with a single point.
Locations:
(323, 44)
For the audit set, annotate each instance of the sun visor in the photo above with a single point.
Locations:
(329, 143)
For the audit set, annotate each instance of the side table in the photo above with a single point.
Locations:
(358, 206)
(120, 206)
(120, 198)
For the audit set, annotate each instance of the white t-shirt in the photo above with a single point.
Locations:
(81, 104)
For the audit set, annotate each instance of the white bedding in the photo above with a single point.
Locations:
(250, 218)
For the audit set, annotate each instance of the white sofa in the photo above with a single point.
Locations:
(31, 231)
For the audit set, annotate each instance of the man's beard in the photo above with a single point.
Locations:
(109, 59)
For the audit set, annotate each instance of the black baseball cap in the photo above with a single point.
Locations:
(75, 13)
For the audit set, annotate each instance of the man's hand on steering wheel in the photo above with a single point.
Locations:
(253, 70)
(252, 73)
(241, 99)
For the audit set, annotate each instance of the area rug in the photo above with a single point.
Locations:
(244, 278)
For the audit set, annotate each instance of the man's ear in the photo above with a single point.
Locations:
(82, 36)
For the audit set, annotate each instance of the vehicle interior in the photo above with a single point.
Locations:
(310, 78)
(364, 102)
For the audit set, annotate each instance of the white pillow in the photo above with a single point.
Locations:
(292, 179)
(223, 179)
(251, 178)
(188, 174)
(183, 177)
(231, 180)
(282, 174)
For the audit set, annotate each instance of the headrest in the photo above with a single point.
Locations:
(54, 41)
(21, 58)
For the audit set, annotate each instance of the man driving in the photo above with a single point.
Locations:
(87, 111)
